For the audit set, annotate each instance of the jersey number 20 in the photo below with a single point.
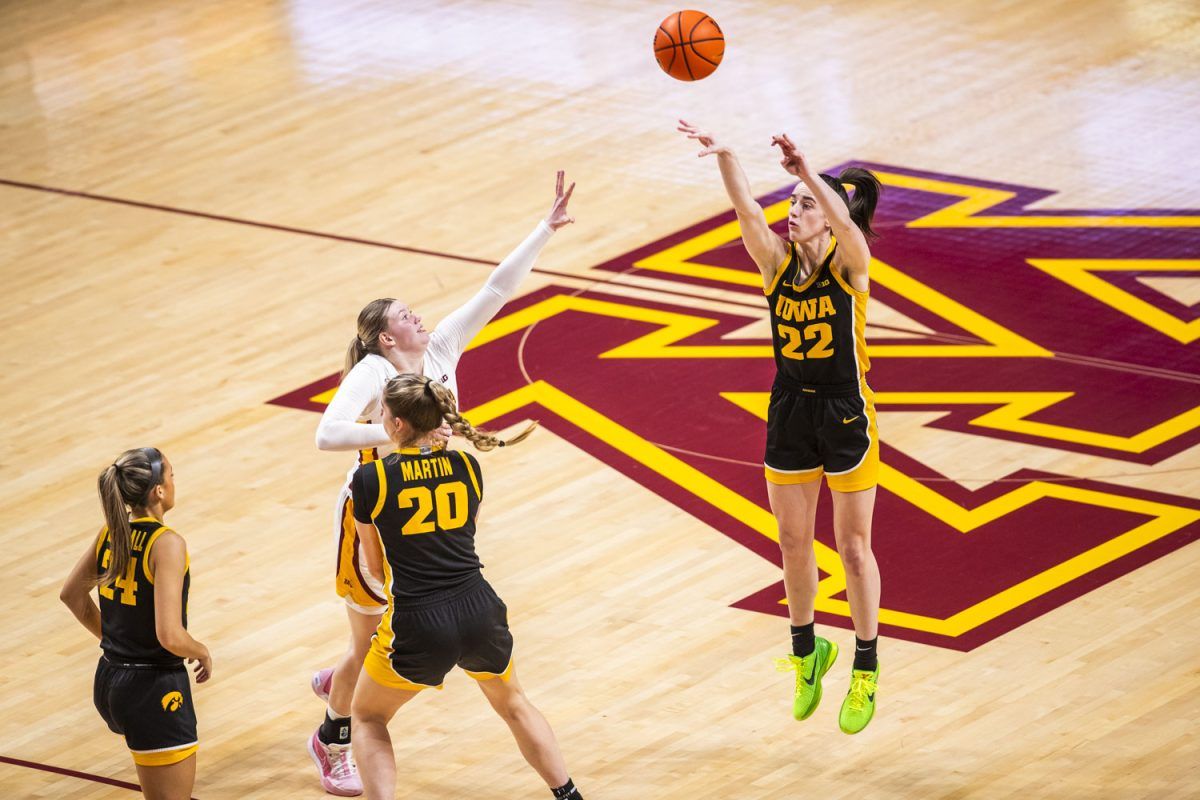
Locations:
(449, 501)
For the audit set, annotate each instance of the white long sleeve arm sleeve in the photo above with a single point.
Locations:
(339, 428)
(461, 326)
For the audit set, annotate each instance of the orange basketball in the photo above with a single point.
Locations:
(689, 45)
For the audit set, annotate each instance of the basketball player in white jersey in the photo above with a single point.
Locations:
(390, 341)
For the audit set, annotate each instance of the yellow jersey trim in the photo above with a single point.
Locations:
(816, 272)
(782, 268)
(382, 488)
(471, 473)
(384, 635)
(146, 553)
(845, 284)
(416, 451)
(100, 539)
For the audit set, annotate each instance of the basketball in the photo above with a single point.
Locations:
(689, 45)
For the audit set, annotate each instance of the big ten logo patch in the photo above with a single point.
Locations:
(172, 701)
(1034, 372)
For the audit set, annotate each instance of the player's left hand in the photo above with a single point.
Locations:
(443, 434)
(203, 667)
(793, 160)
(558, 216)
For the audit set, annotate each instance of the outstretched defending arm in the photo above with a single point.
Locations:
(458, 329)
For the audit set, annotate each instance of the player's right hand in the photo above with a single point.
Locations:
(793, 160)
(711, 146)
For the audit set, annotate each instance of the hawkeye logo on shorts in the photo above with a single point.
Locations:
(172, 701)
(1008, 486)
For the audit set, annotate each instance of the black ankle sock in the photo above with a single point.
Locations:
(567, 791)
(803, 641)
(334, 730)
(864, 654)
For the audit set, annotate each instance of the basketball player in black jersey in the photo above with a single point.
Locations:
(416, 511)
(140, 568)
(821, 418)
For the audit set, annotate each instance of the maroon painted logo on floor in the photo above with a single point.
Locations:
(1035, 373)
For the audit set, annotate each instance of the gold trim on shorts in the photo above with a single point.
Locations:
(164, 758)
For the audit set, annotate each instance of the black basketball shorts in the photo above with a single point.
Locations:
(814, 431)
(151, 707)
(416, 645)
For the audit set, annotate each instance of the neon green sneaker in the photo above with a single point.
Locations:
(859, 705)
(809, 671)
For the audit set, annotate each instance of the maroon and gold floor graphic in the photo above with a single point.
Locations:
(1060, 345)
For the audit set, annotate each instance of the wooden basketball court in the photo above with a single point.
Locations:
(199, 197)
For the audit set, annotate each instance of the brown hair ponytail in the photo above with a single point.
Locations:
(124, 484)
(425, 404)
(866, 196)
(372, 321)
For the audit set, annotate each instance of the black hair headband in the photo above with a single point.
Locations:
(154, 456)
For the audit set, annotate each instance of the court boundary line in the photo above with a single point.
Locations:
(241, 221)
(70, 773)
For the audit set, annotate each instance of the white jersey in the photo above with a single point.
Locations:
(359, 398)
(373, 374)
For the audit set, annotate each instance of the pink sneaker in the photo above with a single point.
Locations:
(339, 773)
(322, 679)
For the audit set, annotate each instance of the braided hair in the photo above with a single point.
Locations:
(426, 404)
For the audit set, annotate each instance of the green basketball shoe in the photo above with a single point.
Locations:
(809, 671)
(859, 705)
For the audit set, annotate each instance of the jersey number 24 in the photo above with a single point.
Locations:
(126, 583)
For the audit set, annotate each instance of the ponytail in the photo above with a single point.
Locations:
(125, 483)
(372, 321)
(116, 518)
(866, 196)
(425, 405)
(354, 354)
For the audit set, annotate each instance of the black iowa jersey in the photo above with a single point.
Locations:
(423, 502)
(128, 633)
(818, 326)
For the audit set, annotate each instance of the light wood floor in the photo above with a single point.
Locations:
(438, 126)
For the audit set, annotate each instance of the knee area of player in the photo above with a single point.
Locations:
(796, 541)
(512, 707)
(855, 555)
(362, 711)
